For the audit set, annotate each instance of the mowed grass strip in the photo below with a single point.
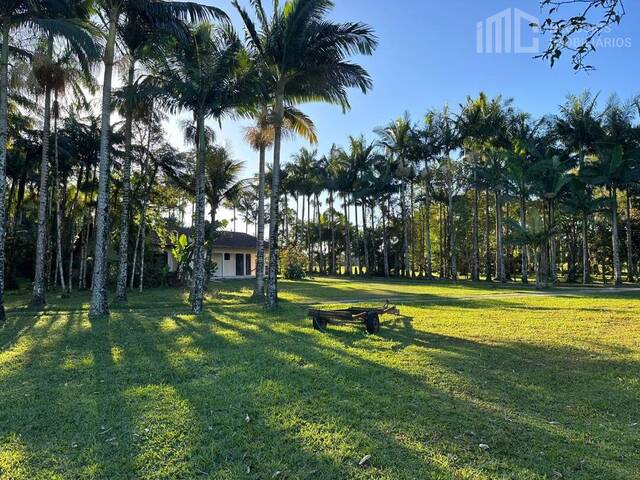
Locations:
(472, 381)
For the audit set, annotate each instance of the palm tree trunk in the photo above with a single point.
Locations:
(320, 249)
(123, 250)
(385, 239)
(259, 289)
(374, 257)
(427, 233)
(333, 234)
(405, 233)
(99, 306)
(272, 286)
(475, 254)
(197, 289)
(308, 237)
(357, 239)
(452, 240)
(347, 236)
(487, 251)
(586, 270)
(57, 198)
(143, 229)
(631, 270)
(212, 236)
(39, 280)
(365, 238)
(524, 252)
(615, 239)
(134, 262)
(412, 230)
(441, 241)
(4, 82)
(499, 239)
(553, 245)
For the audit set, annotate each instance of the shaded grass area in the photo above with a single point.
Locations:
(550, 383)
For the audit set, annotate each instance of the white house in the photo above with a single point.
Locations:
(234, 253)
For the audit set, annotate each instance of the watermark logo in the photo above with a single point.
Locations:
(515, 31)
(509, 31)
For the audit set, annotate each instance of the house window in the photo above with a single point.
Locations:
(247, 263)
(227, 256)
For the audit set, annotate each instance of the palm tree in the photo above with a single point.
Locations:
(302, 167)
(205, 76)
(50, 76)
(55, 20)
(519, 184)
(536, 235)
(260, 137)
(579, 127)
(494, 175)
(305, 55)
(362, 156)
(551, 178)
(612, 170)
(69, 70)
(332, 165)
(397, 138)
(482, 124)
(161, 15)
(222, 183)
(428, 147)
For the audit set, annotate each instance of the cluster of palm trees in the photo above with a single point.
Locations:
(177, 57)
(509, 195)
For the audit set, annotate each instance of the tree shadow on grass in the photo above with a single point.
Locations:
(334, 385)
(315, 403)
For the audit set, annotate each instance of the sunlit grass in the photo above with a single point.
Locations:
(549, 382)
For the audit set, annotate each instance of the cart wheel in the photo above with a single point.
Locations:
(372, 322)
(319, 323)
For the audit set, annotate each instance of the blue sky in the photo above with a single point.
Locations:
(427, 57)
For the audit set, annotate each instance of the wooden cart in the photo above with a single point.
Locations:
(369, 316)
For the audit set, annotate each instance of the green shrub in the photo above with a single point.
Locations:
(292, 262)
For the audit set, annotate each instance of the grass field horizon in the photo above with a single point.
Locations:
(472, 381)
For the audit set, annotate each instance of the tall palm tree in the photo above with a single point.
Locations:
(50, 77)
(222, 182)
(536, 235)
(260, 136)
(579, 127)
(302, 166)
(55, 72)
(161, 15)
(613, 170)
(397, 138)
(205, 76)
(482, 124)
(551, 177)
(306, 57)
(362, 155)
(39, 16)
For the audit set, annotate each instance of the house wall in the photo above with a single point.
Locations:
(226, 268)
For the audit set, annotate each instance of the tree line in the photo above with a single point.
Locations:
(174, 57)
(484, 191)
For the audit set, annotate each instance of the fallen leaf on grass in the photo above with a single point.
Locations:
(364, 461)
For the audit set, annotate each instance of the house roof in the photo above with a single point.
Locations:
(236, 240)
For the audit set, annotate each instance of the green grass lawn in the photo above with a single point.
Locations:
(549, 382)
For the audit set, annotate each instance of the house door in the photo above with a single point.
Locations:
(239, 264)
(247, 264)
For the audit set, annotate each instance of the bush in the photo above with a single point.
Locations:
(292, 262)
